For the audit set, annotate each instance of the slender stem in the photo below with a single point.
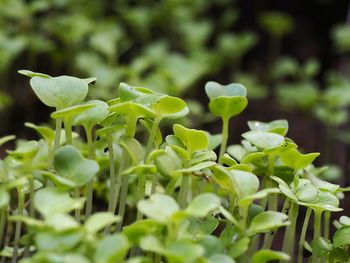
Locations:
(77, 211)
(244, 215)
(232, 202)
(141, 192)
(273, 206)
(31, 209)
(122, 204)
(68, 130)
(118, 183)
(225, 129)
(154, 183)
(157, 258)
(303, 235)
(18, 229)
(3, 217)
(112, 174)
(182, 198)
(327, 217)
(317, 230)
(57, 134)
(90, 189)
(289, 236)
(152, 136)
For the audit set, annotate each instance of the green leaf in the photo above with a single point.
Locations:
(203, 204)
(297, 160)
(266, 255)
(321, 246)
(227, 107)
(70, 164)
(61, 222)
(159, 207)
(239, 247)
(59, 92)
(112, 249)
(305, 191)
(276, 126)
(99, 220)
(168, 162)
(58, 242)
(222, 258)
(214, 90)
(47, 133)
(247, 183)
(194, 140)
(195, 168)
(133, 148)
(6, 139)
(264, 140)
(4, 198)
(52, 200)
(25, 150)
(71, 111)
(31, 74)
(259, 195)
(168, 107)
(344, 220)
(93, 115)
(267, 221)
(341, 237)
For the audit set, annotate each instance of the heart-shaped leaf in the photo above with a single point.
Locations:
(52, 200)
(159, 207)
(295, 159)
(203, 204)
(59, 92)
(93, 115)
(276, 126)
(227, 107)
(70, 164)
(214, 90)
(112, 249)
(168, 107)
(194, 140)
(264, 140)
(267, 221)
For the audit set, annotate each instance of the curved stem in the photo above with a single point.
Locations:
(90, 190)
(327, 217)
(303, 235)
(18, 224)
(3, 217)
(225, 129)
(68, 131)
(182, 198)
(141, 192)
(317, 231)
(152, 136)
(57, 135)
(122, 204)
(289, 236)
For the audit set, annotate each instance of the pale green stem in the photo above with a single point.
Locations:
(154, 183)
(268, 239)
(18, 229)
(152, 136)
(141, 192)
(118, 184)
(112, 174)
(243, 215)
(289, 236)
(122, 204)
(57, 135)
(31, 209)
(3, 217)
(68, 130)
(317, 231)
(90, 190)
(157, 258)
(303, 235)
(225, 130)
(232, 202)
(327, 217)
(77, 211)
(184, 187)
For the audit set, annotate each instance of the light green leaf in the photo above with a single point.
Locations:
(194, 140)
(99, 220)
(277, 126)
(70, 164)
(266, 255)
(297, 160)
(203, 204)
(267, 221)
(264, 140)
(112, 249)
(214, 90)
(159, 207)
(52, 200)
(341, 237)
(227, 107)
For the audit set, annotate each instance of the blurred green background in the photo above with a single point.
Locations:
(293, 57)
